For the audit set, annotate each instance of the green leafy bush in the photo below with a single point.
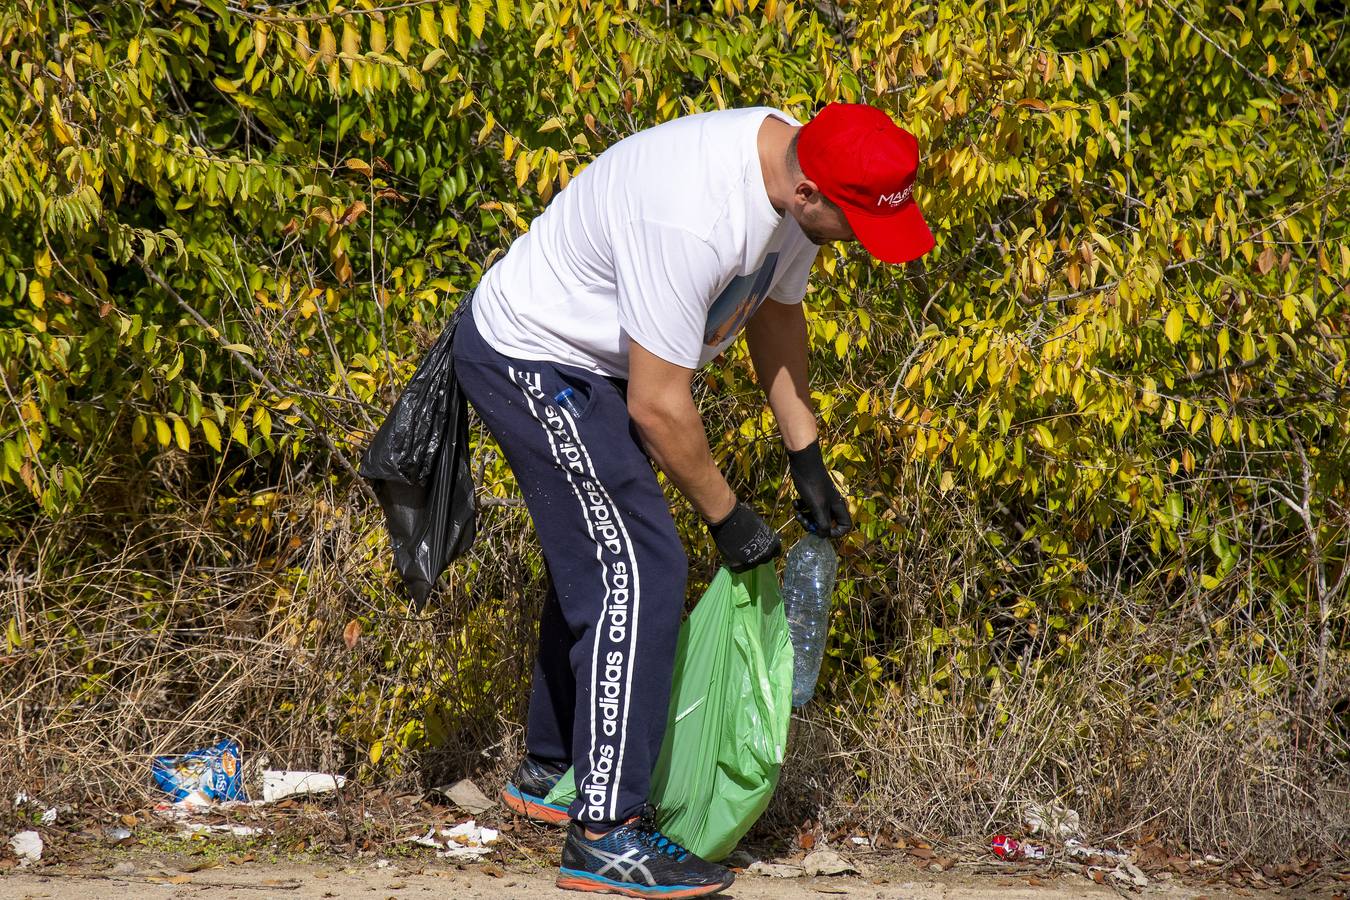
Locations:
(1096, 440)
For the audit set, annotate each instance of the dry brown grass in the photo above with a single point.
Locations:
(183, 633)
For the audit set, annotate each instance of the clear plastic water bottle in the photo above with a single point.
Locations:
(808, 584)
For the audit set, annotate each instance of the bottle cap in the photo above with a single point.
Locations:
(800, 506)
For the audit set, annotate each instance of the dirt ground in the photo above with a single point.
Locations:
(144, 875)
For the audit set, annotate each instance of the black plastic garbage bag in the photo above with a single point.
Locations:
(418, 465)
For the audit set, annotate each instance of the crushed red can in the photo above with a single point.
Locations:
(1011, 848)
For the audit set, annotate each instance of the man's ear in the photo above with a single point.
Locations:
(806, 191)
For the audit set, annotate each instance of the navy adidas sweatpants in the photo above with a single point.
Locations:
(616, 568)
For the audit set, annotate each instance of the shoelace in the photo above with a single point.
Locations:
(662, 844)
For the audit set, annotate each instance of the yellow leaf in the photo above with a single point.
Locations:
(1197, 421)
(433, 57)
(180, 434)
(37, 294)
(1172, 327)
(378, 40)
(477, 17)
(1248, 347)
(504, 10)
(211, 432)
(351, 41)
(376, 751)
(162, 432)
(360, 165)
(402, 36)
(327, 45)
(488, 124)
(522, 169)
(427, 27)
(59, 128)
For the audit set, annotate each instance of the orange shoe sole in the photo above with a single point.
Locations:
(528, 807)
(605, 886)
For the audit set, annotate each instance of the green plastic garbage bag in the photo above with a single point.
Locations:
(730, 704)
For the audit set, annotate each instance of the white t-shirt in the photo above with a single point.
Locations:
(668, 238)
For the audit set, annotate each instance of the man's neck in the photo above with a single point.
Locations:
(774, 137)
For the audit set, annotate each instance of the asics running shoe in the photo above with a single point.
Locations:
(527, 788)
(636, 860)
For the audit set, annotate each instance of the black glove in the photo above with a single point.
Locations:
(744, 539)
(825, 511)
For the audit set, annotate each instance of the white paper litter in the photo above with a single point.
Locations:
(1075, 847)
(464, 841)
(1053, 820)
(183, 815)
(279, 784)
(27, 846)
(231, 830)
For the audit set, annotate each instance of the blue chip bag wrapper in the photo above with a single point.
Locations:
(212, 775)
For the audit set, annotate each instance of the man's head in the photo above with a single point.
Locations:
(820, 218)
(853, 171)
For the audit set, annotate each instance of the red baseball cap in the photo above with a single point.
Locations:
(866, 165)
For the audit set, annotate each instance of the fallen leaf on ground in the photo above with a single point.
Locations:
(774, 870)
(826, 862)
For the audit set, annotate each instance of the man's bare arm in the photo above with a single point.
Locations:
(661, 405)
(776, 335)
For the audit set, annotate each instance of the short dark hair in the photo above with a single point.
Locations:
(794, 164)
(795, 167)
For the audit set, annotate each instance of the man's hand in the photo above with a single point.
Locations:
(825, 510)
(744, 539)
